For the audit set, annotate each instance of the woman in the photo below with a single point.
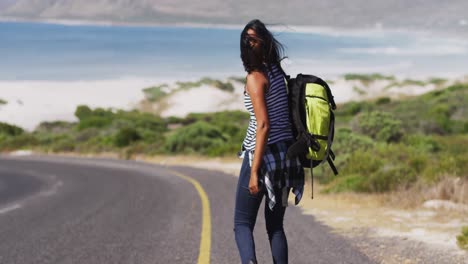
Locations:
(265, 169)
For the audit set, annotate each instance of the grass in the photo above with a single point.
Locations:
(462, 239)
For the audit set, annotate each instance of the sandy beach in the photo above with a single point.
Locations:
(31, 102)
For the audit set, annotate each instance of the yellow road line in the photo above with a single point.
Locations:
(205, 237)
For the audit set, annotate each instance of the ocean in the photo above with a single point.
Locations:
(54, 52)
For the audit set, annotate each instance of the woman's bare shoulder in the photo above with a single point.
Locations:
(256, 81)
(256, 76)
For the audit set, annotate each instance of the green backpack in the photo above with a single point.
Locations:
(311, 106)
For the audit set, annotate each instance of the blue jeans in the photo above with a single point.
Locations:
(245, 215)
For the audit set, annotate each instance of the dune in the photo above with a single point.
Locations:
(31, 102)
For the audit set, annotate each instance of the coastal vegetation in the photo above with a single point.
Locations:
(381, 145)
(367, 78)
(392, 81)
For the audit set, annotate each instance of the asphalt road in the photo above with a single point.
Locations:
(99, 211)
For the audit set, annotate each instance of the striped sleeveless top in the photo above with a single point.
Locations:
(276, 100)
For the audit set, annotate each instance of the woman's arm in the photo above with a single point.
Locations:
(256, 86)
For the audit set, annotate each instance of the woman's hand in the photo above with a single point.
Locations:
(253, 183)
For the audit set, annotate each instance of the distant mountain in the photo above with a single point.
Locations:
(422, 14)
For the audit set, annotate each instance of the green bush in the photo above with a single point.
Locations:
(10, 130)
(174, 120)
(392, 177)
(63, 145)
(351, 108)
(458, 87)
(226, 86)
(94, 121)
(24, 140)
(383, 100)
(155, 93)
(350, 182)
(83, 112)
(363, 163)
(198, 137)
(462, 239)
(56, 127)
(422, 142)
(381, 126)
(146, 121)
(437, 81)
(228, 149)
(380, 168)
(348, 142)
(86, 134)
(125, 136)
(407, 82)
(97, 144)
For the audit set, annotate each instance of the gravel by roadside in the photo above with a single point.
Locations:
(397, 250)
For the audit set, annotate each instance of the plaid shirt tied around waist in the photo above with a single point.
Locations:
(277, 170)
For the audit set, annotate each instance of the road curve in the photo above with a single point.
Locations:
(99, 211)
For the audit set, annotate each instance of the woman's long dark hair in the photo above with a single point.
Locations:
(270, 52)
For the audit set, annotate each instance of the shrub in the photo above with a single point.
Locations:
(462, 239)
(457, 87)
(10, 130)
(437, 81)
(94, 121)
(19, 141)
(155, 93)
(383, 100)
(125, 136)
(350, 182)
(391, 178)
(350, 108)
(348, 142)
(86, 134)
(363, 163)
(379, 125)
(226, 86)
(150, 122)
(65, 144)
(422, 143)
(174, 120)
(58, 127)
(198, 137)
(412, 82)
(382, 167)
(83, 112)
